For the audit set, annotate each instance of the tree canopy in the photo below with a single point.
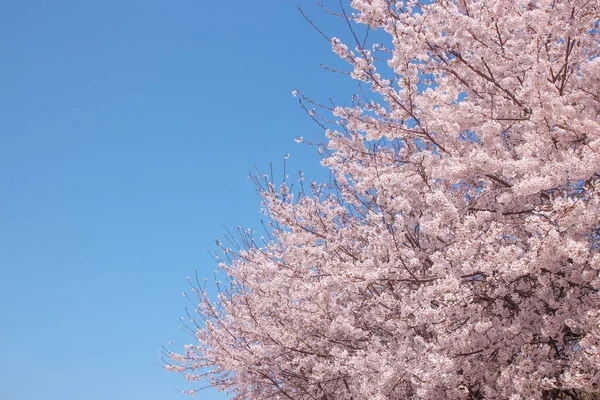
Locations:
(456, 255)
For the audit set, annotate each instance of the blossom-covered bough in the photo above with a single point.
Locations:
(457, 255)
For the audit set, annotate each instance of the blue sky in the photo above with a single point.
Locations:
(127, 131)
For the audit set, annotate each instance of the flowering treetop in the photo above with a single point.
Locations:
(457, 256)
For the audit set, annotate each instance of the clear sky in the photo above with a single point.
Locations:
(127, 131)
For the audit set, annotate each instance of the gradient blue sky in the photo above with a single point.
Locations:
(127, 131)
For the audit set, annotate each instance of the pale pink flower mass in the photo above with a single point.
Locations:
(456, 255)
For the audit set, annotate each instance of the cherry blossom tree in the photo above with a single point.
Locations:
(456, 254)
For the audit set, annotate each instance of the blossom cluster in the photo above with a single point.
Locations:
(458, 255)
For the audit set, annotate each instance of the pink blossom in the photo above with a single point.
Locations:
(457, 257)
